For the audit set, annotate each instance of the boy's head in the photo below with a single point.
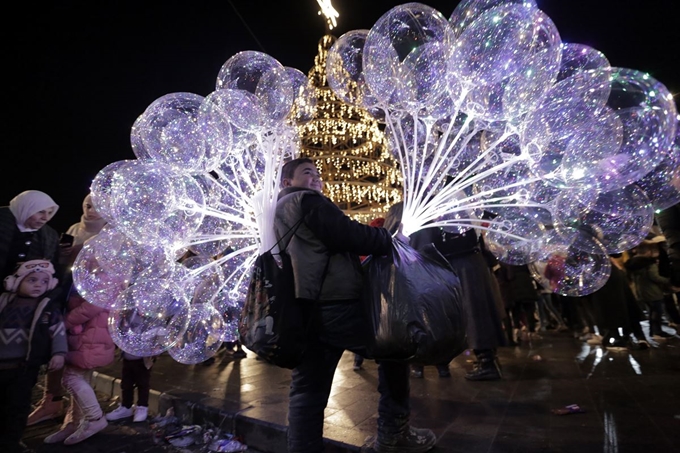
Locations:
(301, 173)
(32, 279)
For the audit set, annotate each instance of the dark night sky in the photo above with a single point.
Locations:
(80, 73)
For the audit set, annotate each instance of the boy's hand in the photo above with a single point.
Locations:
(56, 363)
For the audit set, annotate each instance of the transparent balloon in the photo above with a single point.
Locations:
(467, 11)
(619, 219)
(101, 187)
(263, 76)
(659, 185)
(170, 131)
(93, 282)
(571, 271)
(305, 95)
(202, 338)
(149, 317)
(405, 54)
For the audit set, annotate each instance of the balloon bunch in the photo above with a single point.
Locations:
(499, 125)
(188, 217)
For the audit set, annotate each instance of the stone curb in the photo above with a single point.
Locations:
(258, 434)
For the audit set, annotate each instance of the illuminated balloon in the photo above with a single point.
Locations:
(170, 132)
(405, 53)
(571, 271)
(263, 76)
(101, 186)
(149, 317)
(93, 282)
(202, 338)
(619, 219)
(467, 11)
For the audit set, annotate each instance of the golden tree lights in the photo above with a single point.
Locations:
(350, 150)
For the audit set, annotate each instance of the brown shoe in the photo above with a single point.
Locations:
(46, 410)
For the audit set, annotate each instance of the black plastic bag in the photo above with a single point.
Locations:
(273, 323)
(413, 302)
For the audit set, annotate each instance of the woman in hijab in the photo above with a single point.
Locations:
(24, 233)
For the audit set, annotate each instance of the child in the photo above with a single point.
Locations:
(33, 334)
(136, 373)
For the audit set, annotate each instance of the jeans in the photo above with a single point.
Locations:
(84, 403)
(313, 378)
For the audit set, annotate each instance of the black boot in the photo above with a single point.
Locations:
(403, 438)
(487, 367)
(443, 370)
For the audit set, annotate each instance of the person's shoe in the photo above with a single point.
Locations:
(141, 413)
(61, 435)
(487, 368)
(443, 371)
(239, 354)
(46, 410)
(416, 371)
(87, 429)
(415, 440)
(594, 340)
(356, 366)
(120, 412)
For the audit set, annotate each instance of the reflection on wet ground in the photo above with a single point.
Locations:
(629, 399)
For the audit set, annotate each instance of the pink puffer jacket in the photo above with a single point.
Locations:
(89, 343)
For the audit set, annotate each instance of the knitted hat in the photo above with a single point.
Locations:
(13, 281)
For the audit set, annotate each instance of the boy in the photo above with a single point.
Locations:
(31, 334)
(324, 253)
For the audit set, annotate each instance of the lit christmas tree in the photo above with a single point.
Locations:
(348, 145)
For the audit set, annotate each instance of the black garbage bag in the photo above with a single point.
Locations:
(413, 300)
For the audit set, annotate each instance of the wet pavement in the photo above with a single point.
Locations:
(629, 402)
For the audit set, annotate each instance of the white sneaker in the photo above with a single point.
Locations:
(61, 435)
(87, 429)
(118, 413)
(141, 412)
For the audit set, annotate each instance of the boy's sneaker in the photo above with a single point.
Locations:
(87, 429)
(61, 435)
(141, 413)
(415, 440)
(120, 412)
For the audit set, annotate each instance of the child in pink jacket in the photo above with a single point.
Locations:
(89, 346)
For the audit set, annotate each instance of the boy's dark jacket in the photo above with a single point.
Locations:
(46, 314)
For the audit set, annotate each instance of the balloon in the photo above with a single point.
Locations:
(202, 338)
(467, 11)
(100, 189)
(344, 69)
(263, 76)
(619, 219)
(571, 271)
(149, 317)
(170, 132)
(304, 95)
(93, 282)
(659, 185)
(405, 53)
(520, 91)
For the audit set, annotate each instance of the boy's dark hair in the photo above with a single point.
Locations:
(288, 170)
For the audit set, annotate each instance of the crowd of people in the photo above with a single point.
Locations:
(44, 322)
